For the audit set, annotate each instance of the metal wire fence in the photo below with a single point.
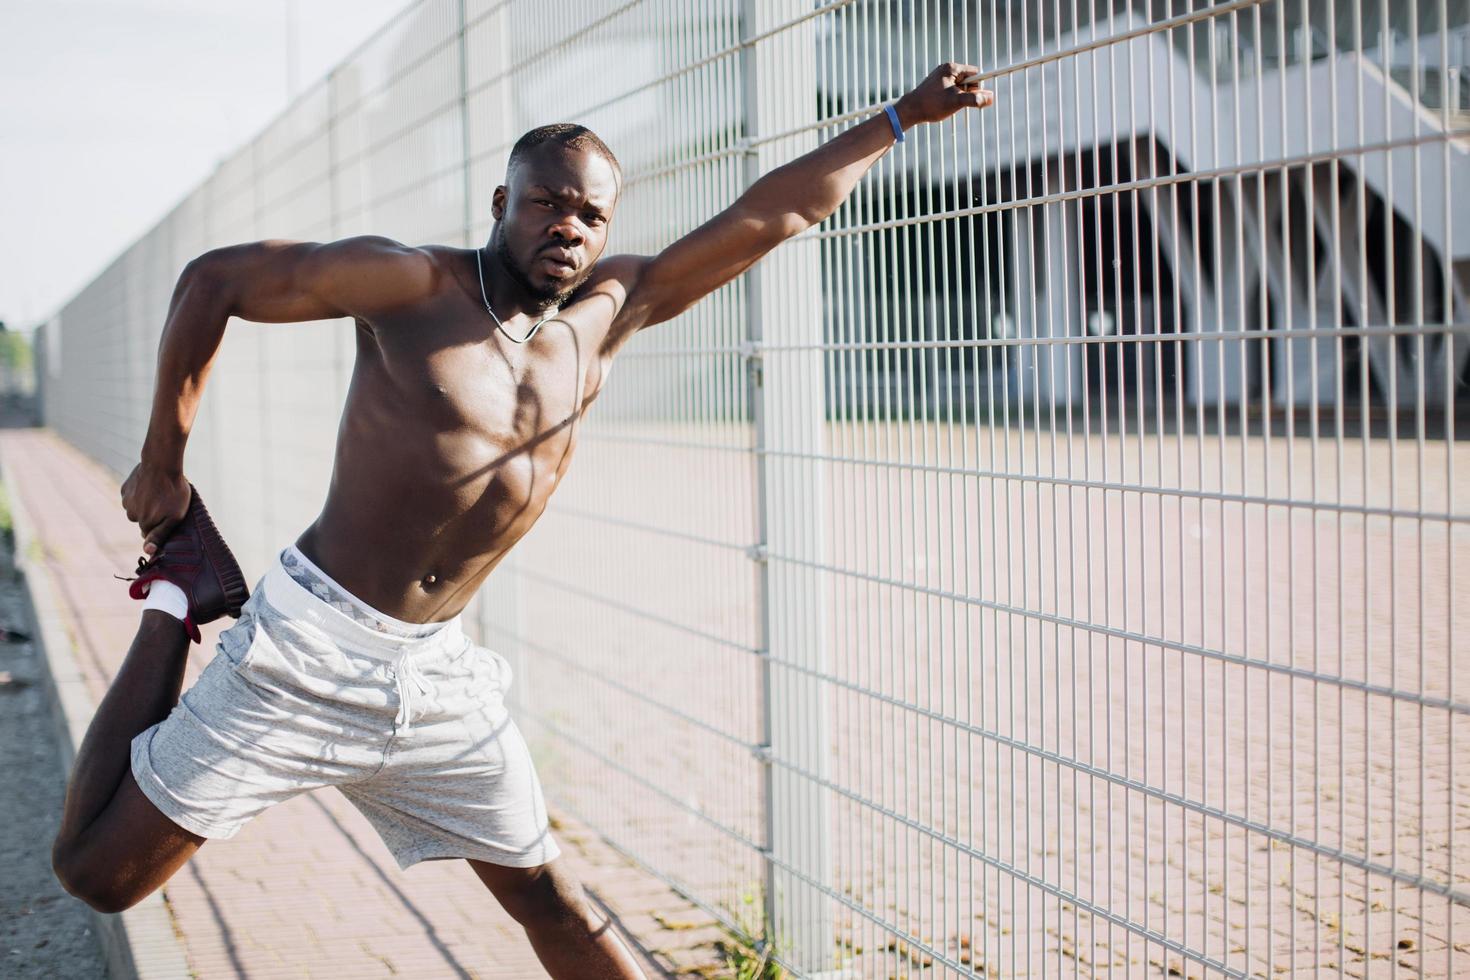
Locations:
(1049, 565)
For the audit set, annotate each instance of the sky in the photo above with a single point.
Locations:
(111, 111)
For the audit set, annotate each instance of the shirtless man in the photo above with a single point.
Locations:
(347, 666)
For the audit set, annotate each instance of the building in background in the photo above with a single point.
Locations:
(1181, 184)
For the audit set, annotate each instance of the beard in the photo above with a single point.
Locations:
(543, 297)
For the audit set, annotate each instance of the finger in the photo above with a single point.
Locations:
(976, 99)
(154, 536)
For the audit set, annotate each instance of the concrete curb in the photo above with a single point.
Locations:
(139, 944)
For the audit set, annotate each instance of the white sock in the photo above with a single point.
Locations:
(167, 597)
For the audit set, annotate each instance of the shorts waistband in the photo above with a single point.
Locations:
(310, 575)
(295, 602)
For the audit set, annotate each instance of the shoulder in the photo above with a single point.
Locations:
(380, 271)
(616, 279)
(625, 268)
(618, 274)
(387, 255)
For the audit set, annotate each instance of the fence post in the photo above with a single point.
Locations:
(786, 397)
(464, 124)
(500, 606)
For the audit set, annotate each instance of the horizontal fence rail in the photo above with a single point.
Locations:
(1052, 564)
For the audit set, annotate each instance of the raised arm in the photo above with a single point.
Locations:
(783, 203)
(271, 282)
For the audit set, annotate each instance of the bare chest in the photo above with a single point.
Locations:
(511, 396)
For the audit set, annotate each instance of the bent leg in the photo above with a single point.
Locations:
(572, 938)
(114, 846)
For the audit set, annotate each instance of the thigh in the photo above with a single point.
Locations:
(131, 849)
(461, 786)
(242, 739)
(462, 782)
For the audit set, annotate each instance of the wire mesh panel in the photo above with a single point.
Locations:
(632, 611)
(1047, 565)
(1144, 626)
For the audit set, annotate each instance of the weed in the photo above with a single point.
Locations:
(747, 947)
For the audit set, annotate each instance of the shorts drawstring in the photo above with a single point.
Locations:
(407, 677)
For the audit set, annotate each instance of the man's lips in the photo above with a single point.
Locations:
(558, 264)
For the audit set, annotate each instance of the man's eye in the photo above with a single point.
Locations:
(594, 219)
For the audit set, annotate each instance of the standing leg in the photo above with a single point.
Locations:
(571, 938)
(114, 846)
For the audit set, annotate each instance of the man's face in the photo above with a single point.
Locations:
(552, 219)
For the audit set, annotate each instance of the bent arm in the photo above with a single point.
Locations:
(270, 282)
(785, 202)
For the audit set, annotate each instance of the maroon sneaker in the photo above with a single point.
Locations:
(197, 560)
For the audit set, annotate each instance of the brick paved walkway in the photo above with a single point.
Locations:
(308, 890)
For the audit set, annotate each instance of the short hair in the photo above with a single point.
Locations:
(570, 136)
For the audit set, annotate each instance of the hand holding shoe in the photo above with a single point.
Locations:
(156, 500)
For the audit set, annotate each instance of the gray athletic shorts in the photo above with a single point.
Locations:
(412, 729)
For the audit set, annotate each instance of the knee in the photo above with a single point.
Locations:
(83, 878)
(547, 900)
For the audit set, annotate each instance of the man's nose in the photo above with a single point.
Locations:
(566, 230)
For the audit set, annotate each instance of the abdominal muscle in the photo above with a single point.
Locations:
(417, 516)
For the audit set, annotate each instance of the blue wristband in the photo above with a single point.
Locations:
(893, 118)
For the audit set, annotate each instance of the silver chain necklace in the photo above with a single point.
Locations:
(480, 268)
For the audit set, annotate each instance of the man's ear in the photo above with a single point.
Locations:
(497, 203)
